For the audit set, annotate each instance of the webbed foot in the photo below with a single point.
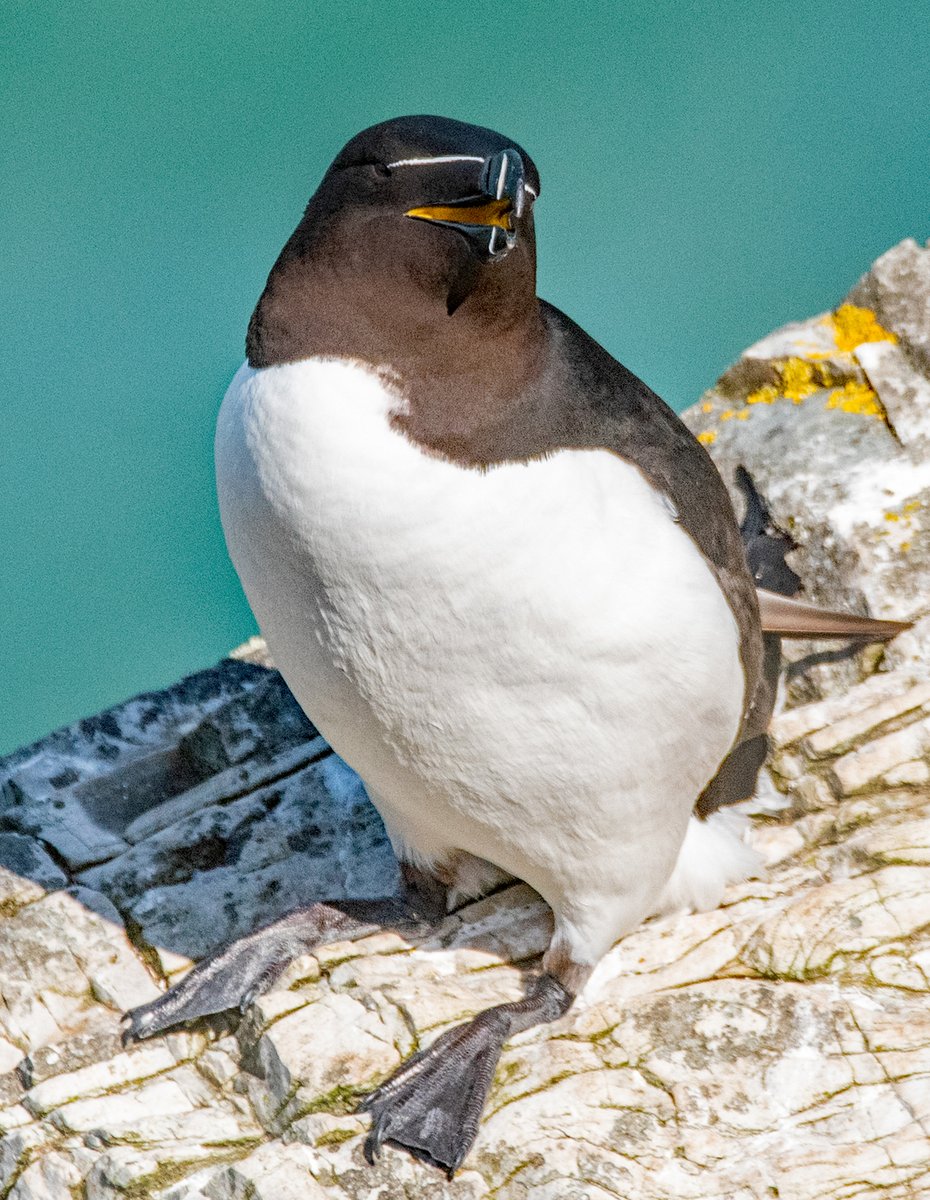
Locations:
(432, 1104)
(234, 977)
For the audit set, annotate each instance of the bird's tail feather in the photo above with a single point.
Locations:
(791, 618)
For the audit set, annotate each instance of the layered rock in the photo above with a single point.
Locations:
(778, 1046)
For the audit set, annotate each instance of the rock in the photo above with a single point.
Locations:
(129, 1115)
(17, 1147)
(101, 1077)
(790, 725)
(846, 733)
(855, 771)
(897, 289)
(25, 856)
(129, 1171)
(100, 1044)
(367, 1046)
(265, 720)
(271, 1173)
(776, 1046)
(903, 391)
(77, 788)
(52, 1176)
(832, 419)
(231, 866)
(225, 786)
(54, 955)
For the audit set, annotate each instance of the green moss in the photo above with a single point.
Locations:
(244, 1144)
(341, 1102)
(335, 1137)
(535, 1091)
(173, 1172)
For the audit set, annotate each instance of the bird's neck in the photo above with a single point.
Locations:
(461, 375)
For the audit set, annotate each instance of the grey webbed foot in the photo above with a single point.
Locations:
(432, 1104)
(234, 977)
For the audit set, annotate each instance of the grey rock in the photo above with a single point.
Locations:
(225, 786)
(903, 391)
(223, 871)
(265, 720)
(61, 821)
(79, 787)
(151, 721)
(26, 856)
(897, 289)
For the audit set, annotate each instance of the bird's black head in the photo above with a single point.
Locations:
(422, 225)
(463, 177)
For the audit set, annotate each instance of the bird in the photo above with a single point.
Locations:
(503, 580)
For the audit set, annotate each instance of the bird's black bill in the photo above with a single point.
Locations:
(487, 219)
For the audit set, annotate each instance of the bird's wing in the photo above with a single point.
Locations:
(791, 618)
(589, 399)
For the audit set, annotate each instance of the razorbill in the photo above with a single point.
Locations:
(500, 576)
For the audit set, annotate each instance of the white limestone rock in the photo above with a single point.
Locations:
(53, 1176)
(271, 1173)
(155, 1172)
(365, 1046)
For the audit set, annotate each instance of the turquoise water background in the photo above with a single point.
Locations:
(710, 170)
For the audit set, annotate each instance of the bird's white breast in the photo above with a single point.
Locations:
(532, 663)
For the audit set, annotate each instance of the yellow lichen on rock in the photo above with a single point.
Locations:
(707, 438)
(797, 379)
(763, 395)
(856, 398)
(900, 521)
(853, 325)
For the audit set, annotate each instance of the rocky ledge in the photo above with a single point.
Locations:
(776, 1047)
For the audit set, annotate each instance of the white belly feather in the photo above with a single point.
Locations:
(531, 663)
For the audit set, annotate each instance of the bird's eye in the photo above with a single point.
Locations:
(373, 165)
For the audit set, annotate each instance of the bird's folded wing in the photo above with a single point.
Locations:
(798, 619)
